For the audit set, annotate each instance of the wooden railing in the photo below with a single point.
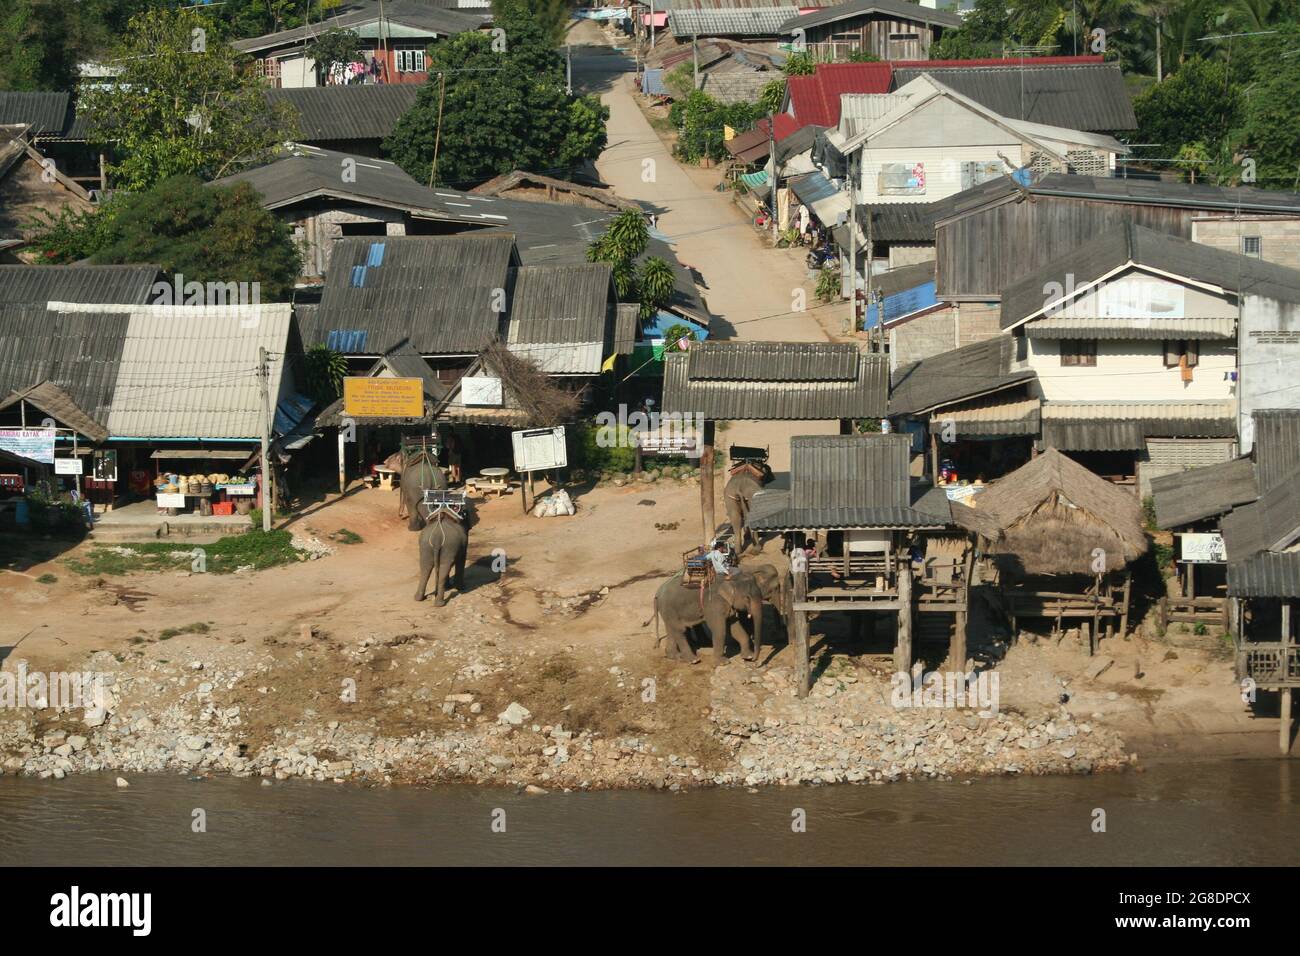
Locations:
(1270, 665)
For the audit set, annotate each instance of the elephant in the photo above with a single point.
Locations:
(717, 603)
(443, 543)
(419, 474)
(777, 587)
(746, 478)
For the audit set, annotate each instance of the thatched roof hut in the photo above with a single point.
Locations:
(1054, 514)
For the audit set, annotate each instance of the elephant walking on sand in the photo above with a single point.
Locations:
(443, 542)
(419, 473)
(717, 603)
(746, 478)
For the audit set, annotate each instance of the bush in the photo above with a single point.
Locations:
(585, 451)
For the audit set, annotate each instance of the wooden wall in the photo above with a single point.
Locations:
(833, 42)
(980, 255)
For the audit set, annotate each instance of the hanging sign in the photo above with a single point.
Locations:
(539, 449)
(34, 443)
(67, 466)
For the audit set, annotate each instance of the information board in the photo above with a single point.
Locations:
(539, 449)
(382, 397)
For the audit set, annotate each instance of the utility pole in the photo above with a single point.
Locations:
(437, 136)
(568, 69)
(695, 58)
(771, 160)
(871, 254)
(853, 242)
(268, 489)
(383, 43)
(652, 24)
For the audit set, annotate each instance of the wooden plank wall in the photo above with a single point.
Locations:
(870, 33)
(983, 253)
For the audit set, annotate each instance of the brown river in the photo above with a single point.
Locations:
(1230, 813)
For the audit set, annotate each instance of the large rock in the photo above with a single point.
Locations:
(515, 714)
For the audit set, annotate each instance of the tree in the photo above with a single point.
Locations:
(503, 106)
(1268, 120)
(205, 233)
(799, 64)
(1195, 105)
(183, 102)
(43, 41)
(624, 239)
(335, 46)
(700, 120)
(655, 284)
(325, 370)
(551, 17)
(771, 97)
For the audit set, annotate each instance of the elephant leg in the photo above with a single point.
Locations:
(685, 652)
(460, 570)
(443, 572)
(740, 634)
(427, 562)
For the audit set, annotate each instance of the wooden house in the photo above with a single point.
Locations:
(888, 29)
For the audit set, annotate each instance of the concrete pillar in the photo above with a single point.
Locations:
(903, 647)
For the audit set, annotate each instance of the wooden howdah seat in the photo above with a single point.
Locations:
(698, 570)
(442, 501)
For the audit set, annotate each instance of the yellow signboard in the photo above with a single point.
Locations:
(382, 397)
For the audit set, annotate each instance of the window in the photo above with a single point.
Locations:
(1250, 246)
(1176, 349)
(410, 61)
(1079, 352)
(900, 37)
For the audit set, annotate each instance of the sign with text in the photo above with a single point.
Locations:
(1204, 548)
(382, 397)
(34, 443)
(539, 449)
(67, 466)
(171, 500)
(240, 489)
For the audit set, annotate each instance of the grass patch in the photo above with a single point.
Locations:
(46, 579)
(198, 627)
(255, 549)
(344, 536)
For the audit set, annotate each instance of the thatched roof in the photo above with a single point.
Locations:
(529, 397)
(1053, 514)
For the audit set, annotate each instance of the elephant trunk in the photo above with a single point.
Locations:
(756, 615)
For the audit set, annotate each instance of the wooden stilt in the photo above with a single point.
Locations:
(707, 502)
(1284, 725)
(903, 647)
(1128, 587)
(799, 637)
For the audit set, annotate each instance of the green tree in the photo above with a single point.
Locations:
(551, 17)
(335, 46)
(771, 97)
(205, 233)
(624, 239)
(655, 284)
(183, 102)
(502, 108)
(1195, 105)
(326, 370)
(701, 122)
(799, 64)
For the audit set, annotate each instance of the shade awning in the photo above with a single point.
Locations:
(828, 203)
(223, 454)
(1125, 426)
(991, 419)
(756, 180)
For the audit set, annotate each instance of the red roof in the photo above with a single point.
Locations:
(785, 125)
(1005, 61)
(816, 98)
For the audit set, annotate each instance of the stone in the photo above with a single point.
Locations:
(500, 763)
(1098, 667)
(122, 784)
(77, 743)
(515, 714)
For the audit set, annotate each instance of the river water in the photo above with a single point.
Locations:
(1231, 813)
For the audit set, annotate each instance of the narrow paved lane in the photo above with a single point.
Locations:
(749, 287)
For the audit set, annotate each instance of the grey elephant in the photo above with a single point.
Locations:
(443, 543)
(718, 603)
(419, 474)
(746, 478)
(777, 587)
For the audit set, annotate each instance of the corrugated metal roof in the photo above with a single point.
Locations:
(742, 21)
(46, 112)
(990, 417)
(828, 203)
(308, 172)
(37, 285)
(849, 481)
(1166, 193)
(437, 292)
(1091, 97)
(355, 14)
(1270, 524)
(53, 401)
(775, 362)
(1136, 245)
(899, 9)
(1198, 493)
(967, 372)
(1124, 426)
(816, 99)
(903, 292)
(79, 352)
(775, 381)
(1267, 574)
(1065, 327)
(562, 317)
(1276, 444)
(353, 111)
(860, 111)
(191, 371)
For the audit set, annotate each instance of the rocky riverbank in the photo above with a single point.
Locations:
(422, 712)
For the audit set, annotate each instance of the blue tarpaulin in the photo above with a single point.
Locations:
(652, 83)
(655, 329)
(903, 303)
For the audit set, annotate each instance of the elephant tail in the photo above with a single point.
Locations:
(654, 616)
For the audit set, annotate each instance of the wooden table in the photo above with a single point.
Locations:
(385, 476)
